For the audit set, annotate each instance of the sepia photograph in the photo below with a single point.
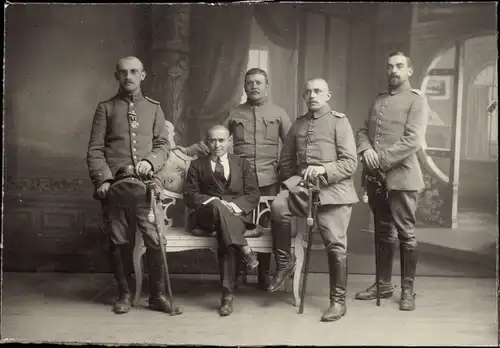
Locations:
(250, 173)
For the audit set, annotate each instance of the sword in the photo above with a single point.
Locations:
(153, 218)
(311, 221)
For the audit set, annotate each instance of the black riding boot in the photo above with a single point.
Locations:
(123, 303)
(285, 261)
(157, 299)
(337, 267)
(386, 257)
(408, 268)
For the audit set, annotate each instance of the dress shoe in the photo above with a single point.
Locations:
(386, 291)
(122, 304)
(254, 233)
(251, 260)
(160, 304)
(198, 232)
(226, 307)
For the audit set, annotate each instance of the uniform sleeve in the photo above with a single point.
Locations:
(346, 163)
(285, 125)
(96, 160)
(251, 193)
(362, 140)
(413, 137)
(288, 157)
(161, 148)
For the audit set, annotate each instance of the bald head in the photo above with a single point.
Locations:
(318, 81)
(218, 140)
(129, 59)
(130, 74)
(316, 93)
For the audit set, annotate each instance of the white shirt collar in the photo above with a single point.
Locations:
(223, 158)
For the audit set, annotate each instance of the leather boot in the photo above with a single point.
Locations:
(123, 302)
(285, 261)
(157, 299)
(386, 257)
(337, 268)
(264, 277)
(408, 268)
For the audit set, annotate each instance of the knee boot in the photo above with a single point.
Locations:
(386, 257)
(337, 268)
(123, 302)
(157, 299)
(408, 267)
(285, 261)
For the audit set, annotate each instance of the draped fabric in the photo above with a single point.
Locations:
(220, 41)
(279, 22)
(218, 56)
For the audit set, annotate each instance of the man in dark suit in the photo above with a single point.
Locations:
(128, 135)
(256, 127)
(388, 144)
(223, 192)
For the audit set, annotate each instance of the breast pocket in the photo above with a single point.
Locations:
(272, 128)
(239, 129)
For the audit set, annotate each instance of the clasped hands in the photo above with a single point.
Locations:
(370, 157)
(142, 169)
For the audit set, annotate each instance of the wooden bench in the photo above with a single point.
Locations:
(179, 239)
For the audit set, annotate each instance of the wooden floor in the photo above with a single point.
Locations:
(55, 307)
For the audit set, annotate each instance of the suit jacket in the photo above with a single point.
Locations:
(114, 143)
(395, 129)
(324, 138)
(242, 188)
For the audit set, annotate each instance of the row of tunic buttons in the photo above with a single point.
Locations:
(379, 122)
(310, 131)
(134, 141)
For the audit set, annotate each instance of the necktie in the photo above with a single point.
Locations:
(219, 171)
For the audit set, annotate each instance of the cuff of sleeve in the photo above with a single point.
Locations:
(331, 173)
(382, 161)
(154, 161)
(363, 148)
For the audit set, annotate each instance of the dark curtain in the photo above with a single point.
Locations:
(280, 23)
(219, 44)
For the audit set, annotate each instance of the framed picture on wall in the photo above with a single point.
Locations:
(438, 87)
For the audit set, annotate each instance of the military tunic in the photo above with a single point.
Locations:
(395, 129)
(114, 143)
(117, 141)
(256, 131)
(323, 138)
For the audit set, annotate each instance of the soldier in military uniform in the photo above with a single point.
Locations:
(128, 134)
(256, 127)
(320, 144)
(388, 143)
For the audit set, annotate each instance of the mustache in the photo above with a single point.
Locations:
(394, 76)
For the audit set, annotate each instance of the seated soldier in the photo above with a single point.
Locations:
(223, 192)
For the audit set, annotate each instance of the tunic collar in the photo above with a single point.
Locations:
(130, 97)
(321, 111)
(403, 87)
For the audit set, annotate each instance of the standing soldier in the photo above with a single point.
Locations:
(387, 144)
(256, 127)
(320, 144)
(129, 137)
